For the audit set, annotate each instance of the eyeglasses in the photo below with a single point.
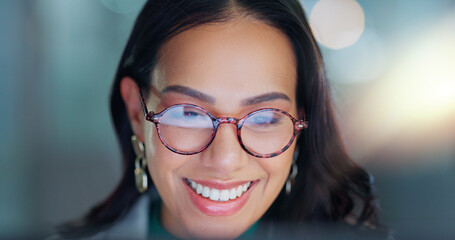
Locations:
(189, 129)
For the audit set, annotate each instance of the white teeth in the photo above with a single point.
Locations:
(239, 191)
(224, 195)
(233, 194)
(206, 191)
(217, 194)
(214, 194)
(198, 189)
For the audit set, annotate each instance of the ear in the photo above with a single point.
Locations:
(131, 97)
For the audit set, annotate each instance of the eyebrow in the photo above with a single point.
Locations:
(190, 92)
(265, 98)
(211, 100)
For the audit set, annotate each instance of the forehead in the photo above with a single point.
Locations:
(230, 61)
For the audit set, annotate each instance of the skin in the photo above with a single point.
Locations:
(231, 63)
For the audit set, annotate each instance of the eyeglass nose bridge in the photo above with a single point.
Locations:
(229, 120)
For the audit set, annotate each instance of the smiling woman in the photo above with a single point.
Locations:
(238, 104)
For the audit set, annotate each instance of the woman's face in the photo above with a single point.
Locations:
(226, 69)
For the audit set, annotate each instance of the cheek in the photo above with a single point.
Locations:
(156, 152)
(162, 164)
(150, 145)
(277, 169)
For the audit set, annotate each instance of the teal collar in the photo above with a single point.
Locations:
(157, 231)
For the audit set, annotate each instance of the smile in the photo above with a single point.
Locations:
(215, 194)
(219, 199)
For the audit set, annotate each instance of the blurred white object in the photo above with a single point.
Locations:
(337, 23)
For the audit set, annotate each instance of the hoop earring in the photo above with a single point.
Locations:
(140, 164)
(293, 174)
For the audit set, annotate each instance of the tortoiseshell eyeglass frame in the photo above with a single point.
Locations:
(155, 118)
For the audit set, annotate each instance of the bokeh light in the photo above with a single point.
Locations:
(413, 107)
(337, 23)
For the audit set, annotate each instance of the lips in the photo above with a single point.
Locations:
(218, 199)
(216, 194)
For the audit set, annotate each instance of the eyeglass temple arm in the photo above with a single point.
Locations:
(154, 91)
(144, 107)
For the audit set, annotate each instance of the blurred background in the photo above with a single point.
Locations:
(391, 64)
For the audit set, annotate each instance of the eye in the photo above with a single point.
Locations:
(192, 114)
(264, 119)
(260, 120)
(186, 117)
(266, 124)
(263, 122)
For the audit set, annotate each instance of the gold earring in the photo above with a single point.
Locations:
(140, 164)
(293, 173)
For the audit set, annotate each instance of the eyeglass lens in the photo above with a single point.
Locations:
(189, 129)
(186, 128)
(267, 131)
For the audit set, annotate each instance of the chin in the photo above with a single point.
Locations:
(216, 231)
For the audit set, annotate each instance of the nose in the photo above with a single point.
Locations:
(225, 155)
